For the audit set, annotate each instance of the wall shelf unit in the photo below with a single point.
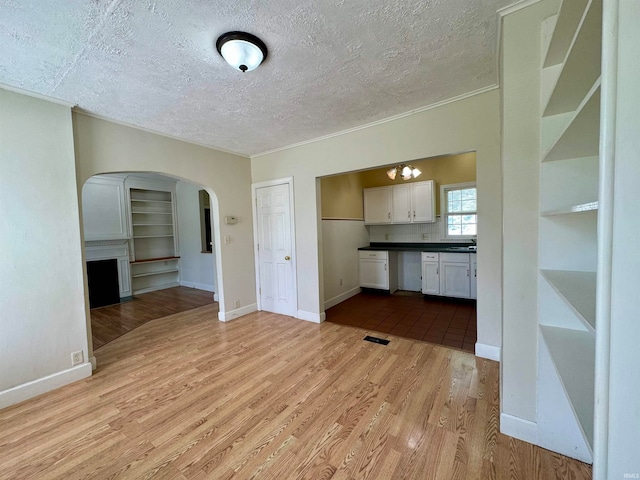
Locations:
(154, 261)
(570, 131)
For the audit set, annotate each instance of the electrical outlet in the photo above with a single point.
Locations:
(77, 358)
(340, 282)
(386, 236)
(425, 236)
(237, 303)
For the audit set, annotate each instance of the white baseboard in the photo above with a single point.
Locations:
(93, 362)
(198, 286)
(311, 317)
(341, 298)
(238, 312)
(488, 351)
(42, 385)
(519, 428)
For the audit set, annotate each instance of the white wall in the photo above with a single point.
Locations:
(624, 407)
(42, 303)
(468, 124)
(197, 269)
(103, 147)
(521, 63)
(340, 242)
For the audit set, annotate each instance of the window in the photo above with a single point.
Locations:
(459, 206)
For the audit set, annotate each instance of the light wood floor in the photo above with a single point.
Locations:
(267, 396)
(113, 321)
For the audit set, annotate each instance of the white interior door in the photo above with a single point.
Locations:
(275, 256)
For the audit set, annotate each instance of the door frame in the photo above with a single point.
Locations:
(256, 253)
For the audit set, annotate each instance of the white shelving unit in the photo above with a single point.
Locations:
(155, 263)
(570, 126)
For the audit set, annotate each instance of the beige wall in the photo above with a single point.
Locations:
(342, 197)
(42, 304)
(470, 124)
(342, 194)
(104, 147)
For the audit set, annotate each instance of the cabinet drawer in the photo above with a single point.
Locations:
(377, 254)
(454, 257)
(430, 256)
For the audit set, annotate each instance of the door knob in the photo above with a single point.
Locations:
(287, 257)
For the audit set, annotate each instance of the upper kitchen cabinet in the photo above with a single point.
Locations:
(377, 205)
(407, 203)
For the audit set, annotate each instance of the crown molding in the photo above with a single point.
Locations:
(379, 122)
(39, 96)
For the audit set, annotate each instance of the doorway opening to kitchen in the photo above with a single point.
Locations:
(390, 270)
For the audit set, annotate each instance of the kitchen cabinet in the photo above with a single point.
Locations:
(377, 205)
(378, 269)
(404, 203)
(423, 198)
(454, 275)
(473, 287)
(430, 273)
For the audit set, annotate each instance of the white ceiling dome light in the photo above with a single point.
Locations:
(243, 51)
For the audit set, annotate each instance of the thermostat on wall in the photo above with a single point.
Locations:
(230, 220)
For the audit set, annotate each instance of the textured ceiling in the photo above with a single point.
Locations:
(332, 65)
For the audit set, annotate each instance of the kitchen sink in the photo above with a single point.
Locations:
(462, 249)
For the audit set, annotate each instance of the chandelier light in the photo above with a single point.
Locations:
(241, 50)
(407, 172)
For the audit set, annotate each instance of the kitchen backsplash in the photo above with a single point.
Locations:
(411, 233)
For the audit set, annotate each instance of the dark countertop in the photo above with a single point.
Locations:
(421, 247)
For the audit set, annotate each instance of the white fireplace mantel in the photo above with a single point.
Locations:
(112, 249)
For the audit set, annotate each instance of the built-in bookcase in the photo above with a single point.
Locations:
(570, 131)
(155, 260)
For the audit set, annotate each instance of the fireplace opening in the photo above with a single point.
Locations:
(104, 288)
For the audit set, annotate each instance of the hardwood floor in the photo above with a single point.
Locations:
(268, 396)
(444, 321)
(113, 321)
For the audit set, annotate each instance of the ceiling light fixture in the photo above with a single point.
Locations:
(241, 50)
(407, 172)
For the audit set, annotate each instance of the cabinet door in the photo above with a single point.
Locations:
(377, 205)
(401, 204)
(474, 277)
(423, 202)
(431, 278)
(454, 279)
(374, 273)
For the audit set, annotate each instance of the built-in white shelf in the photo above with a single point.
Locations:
(151, 213)
(573, 355)
(151, 260)
(578, 290)
(580, 137)
(570, 209)
(581, 66)
(151, 236)
(567, 23)
(153, 224)
(159, 272)
(139, 200)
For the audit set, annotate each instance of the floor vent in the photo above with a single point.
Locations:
(381, 341)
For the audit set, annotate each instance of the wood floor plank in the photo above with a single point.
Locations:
(266, 396)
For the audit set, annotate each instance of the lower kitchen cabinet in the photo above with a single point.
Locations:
(473, 263)
(430, 273)
(455, 275)
(375, 268)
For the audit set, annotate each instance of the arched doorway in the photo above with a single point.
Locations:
(146, 243)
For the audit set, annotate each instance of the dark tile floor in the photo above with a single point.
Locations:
(438, 320)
